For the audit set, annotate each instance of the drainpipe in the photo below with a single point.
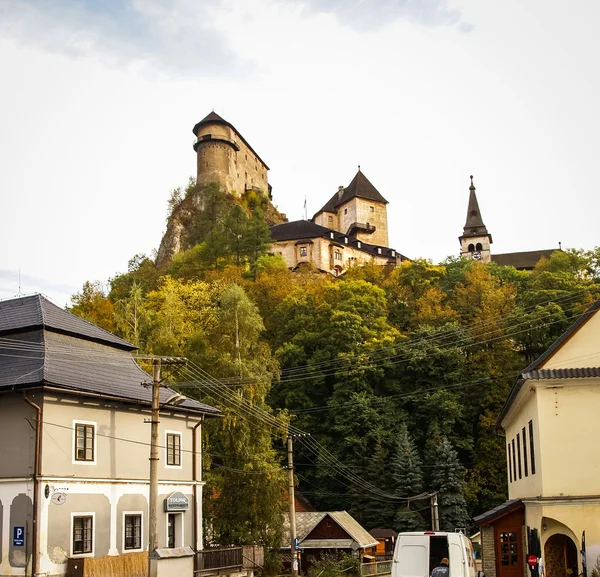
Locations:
(36, 474)
(195, 487)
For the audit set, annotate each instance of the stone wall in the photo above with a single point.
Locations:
(488, 551)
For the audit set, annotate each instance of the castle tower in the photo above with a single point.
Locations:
(224, 156)
(475, 240)
(358, 210)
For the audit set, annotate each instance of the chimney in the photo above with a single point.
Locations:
(340, 191)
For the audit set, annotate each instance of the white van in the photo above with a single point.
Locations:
(417, 554)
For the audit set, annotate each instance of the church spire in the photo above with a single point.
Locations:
(475, 240)
(474, 225)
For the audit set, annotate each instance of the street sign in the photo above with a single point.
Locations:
(532, 560)
(177, 502)
(18, 536)
(296, 543)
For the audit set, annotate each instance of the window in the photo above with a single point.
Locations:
(514, 454)
(303, 251)
(525, 463)
(82, 534)
(510, 476)
(378, 250)
(133, 532)
(338, 255)
(519, 456)
(345, 211)
(173, 449)
(346, 240)
(509, 548)
(330, 219)
(471, 248)
(372, 208)
(531, 448)
(331, 235)
(84, 442)
(479, 247)
(358, 244)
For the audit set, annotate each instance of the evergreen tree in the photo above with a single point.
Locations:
(408, 480)
(447, 477)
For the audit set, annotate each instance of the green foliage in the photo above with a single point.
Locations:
(340, 565)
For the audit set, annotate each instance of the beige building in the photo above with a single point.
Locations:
(226, 157)
(304, 242)
(551, 424)
(74, 441)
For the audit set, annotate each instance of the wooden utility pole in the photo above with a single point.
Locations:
(293, 549)
(153, 516)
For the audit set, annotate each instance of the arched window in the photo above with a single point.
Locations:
(471, 247)
(479, 247)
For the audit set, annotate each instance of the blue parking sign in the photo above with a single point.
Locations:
(18, 536)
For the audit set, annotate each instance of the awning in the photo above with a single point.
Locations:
(326, 544)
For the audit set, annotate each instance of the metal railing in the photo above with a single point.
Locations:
(220, 560)
(376, 568)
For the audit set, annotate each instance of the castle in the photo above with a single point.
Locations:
(350, 229)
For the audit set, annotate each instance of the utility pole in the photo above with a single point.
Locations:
(152, 525)
(435, 518)
(293, 550)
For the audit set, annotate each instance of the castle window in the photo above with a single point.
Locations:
(345, 211)
(330, 219)
(479, 247)
(331, 235)
(393, 253)
(358, 244)
(346, 239)
(303, 251)
(378, 250)
(372, 208)
(471, 247)
(473, 213)
(338, 255)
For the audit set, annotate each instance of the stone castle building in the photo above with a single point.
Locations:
(350, 229)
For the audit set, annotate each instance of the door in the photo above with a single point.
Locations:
(411, 558)
(171, 530)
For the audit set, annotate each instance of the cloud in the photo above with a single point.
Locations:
(179, 37)
(369, 15)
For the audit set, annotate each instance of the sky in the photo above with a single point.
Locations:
(98, 99)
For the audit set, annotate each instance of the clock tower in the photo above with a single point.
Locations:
(475, 240)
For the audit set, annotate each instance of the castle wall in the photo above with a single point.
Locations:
(365, 211)
(227, 159)
(328, 220)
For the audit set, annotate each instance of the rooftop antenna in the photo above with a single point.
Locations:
(359, 168)
(559, 245)
(19, 294)
(305, 209)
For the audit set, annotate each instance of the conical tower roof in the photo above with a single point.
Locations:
(474, 225)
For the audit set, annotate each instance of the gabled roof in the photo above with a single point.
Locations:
(532, 371)
(360, 187)
(71, 354)
(499, 511)
(307, 521)
(214, 118)
(523, 260)
(37, 312)
(474, 224)
(382, 533)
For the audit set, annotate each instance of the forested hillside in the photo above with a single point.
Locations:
(398, 374)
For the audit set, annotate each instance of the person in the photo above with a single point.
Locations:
(442, 569)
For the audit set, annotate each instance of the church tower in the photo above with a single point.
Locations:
(475, 240)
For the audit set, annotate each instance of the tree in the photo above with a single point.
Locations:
(407, 473)
(447, 477)
(92, 304)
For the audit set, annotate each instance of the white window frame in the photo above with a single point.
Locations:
(179, 528)
(74, 453)
(180, 466)
(91, 514)
(141, 548)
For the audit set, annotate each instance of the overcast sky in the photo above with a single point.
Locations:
(98, 99)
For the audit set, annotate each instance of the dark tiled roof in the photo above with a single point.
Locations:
(214, 118)
(306, 230)
(297, 229)
(499, 511)
(380, 533)
(360, 187)
(578, 373)
(535, 365)
(474, 224)
(522, 260)
(38, 312)
(43, 357)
